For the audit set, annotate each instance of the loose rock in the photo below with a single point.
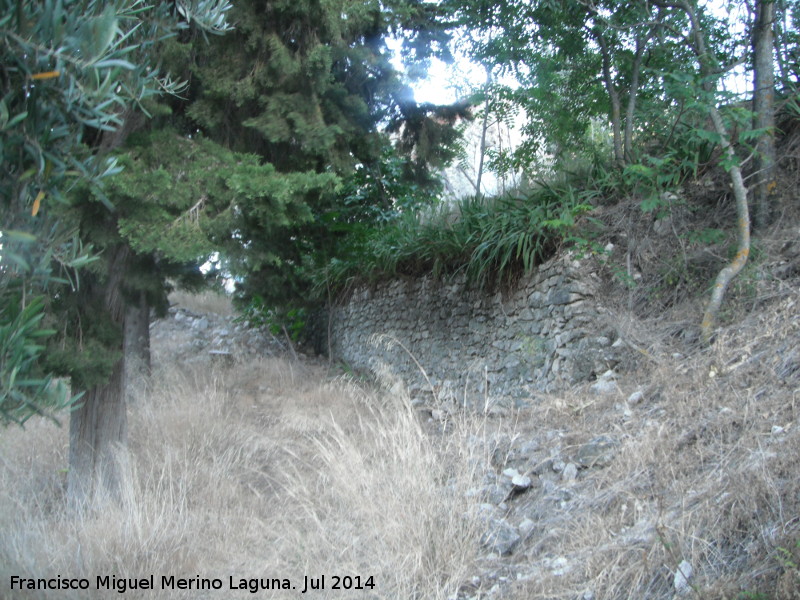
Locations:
(598, 452)
(501, 537)
(683, 574)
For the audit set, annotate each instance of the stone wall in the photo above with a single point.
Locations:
(474, 347)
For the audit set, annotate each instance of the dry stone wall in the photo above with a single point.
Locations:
(472, 347)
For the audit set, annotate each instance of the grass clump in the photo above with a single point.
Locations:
(263, 470)
(490, 239)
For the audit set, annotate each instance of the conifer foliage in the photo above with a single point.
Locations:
(309, 87)
(73, 77)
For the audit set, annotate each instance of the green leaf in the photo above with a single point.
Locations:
(22, 237)
(651, 203)
(17, 119)
(114, 62)
(709, 136)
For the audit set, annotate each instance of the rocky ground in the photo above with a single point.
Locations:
(676, 478)
(194, 336)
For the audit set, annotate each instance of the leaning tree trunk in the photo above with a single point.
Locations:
(98, 428)
(730, 271)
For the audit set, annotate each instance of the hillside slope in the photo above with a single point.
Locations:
(678, 474)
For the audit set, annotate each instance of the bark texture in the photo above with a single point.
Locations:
(613, 95)
(764, 109)
(98, 428)
(137, 336)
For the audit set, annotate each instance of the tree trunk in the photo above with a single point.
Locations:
(98, 428)
(137, 337)
(730, 271)
(613, 95)
(97, 431)
(630, 113)
(763, 107)
(484, 130)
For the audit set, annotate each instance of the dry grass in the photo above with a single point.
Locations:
(270, 469)
(707, 471)
(263, 470)
(208, 301)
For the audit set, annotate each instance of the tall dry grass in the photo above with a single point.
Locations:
(208, 301)
(706, 472)
(263, 470)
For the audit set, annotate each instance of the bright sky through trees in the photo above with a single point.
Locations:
(447, 83)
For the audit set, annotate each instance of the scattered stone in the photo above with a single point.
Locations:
(200, 324)
(560, 566)
(497, 493)
(521, 482)
(636, 397)
(526, 526)
(501, 537)
(683, 574)
(605, 384)
(598, 452)
(570, 472)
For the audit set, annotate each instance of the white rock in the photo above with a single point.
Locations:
(683, 574)
(521, 482)
(200, 324)
(604, 386)
(636, 397)
(560, 566)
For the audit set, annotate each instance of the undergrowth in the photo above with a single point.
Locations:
(490, 239)
(262, 470)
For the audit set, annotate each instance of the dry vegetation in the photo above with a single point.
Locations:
(209, 301)
(707, 472)
(272, 468)
(266, 469)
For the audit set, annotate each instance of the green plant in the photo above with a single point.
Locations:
(788, 559)
(491, 240)
(258, 313)
(24, 390)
